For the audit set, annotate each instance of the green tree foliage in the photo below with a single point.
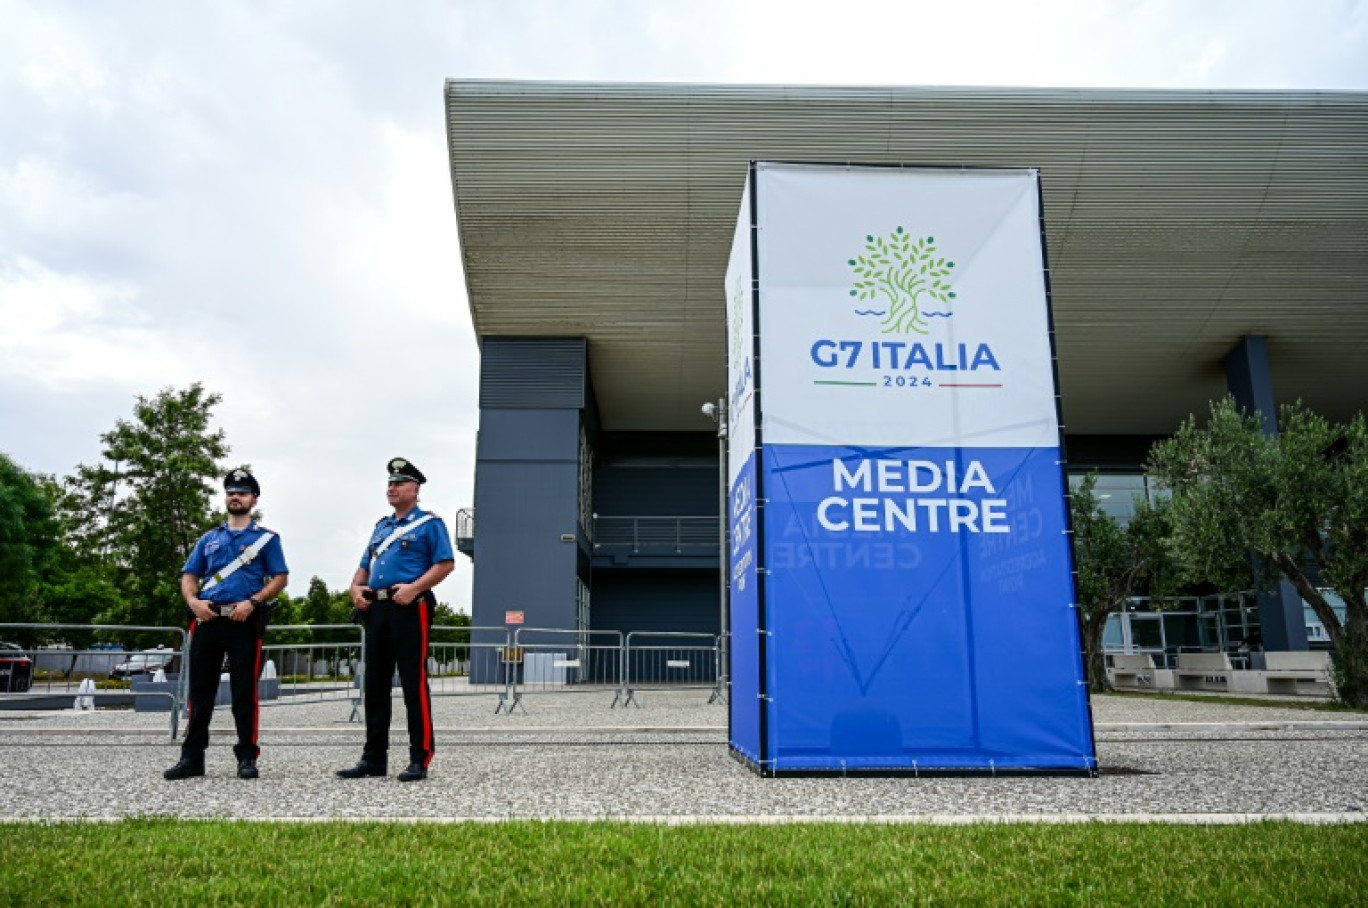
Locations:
(902, 272)
(287, 613)
(30, 538)
(1113, 563)
(1297, 500)
(317, 604)
(138, 512)
(447, 617)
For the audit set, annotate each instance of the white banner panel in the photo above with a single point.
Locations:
(742, 556)
(740, 345)
(903, 307)
(901, 577)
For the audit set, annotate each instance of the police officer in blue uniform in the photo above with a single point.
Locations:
(409, 553)
(231, 576)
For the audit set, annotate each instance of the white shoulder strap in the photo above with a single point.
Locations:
(242, 560)
(399, 533)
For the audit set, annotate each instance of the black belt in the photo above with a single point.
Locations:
(385, 594)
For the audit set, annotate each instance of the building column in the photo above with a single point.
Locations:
(529, 534)
(1250, 381)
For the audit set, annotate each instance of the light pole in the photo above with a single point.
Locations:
(717, 412)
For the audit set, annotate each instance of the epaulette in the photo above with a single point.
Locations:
(266, 529)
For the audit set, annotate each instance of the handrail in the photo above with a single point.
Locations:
(465, 524)
(642, 531)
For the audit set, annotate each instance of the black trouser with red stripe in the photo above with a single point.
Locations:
(210, 641)
(398, 635)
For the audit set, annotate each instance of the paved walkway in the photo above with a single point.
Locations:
(572, 757)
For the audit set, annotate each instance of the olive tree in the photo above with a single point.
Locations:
(1112, 563)
(1297, 501)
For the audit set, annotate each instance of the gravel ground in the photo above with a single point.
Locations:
(570, 756)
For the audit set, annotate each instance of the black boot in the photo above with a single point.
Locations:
(188, 767)
(361, 770)
(247, 768)
(416, 772)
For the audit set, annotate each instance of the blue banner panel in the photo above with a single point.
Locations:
(745, 705)
(920, 611)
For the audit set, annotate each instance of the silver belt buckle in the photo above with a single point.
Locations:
(225, 610)
(382, 595)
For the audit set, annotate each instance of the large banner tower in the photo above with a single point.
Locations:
(902, 594)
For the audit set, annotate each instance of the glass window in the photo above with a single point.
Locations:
(1111, 634)
(1117, 492)
(1145, 632)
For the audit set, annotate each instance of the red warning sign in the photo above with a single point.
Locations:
(513, 617)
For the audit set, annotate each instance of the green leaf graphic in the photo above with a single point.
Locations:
(896, 273)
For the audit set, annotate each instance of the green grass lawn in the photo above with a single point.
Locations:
(173, 862)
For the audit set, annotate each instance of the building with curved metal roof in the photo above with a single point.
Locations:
(1199, 242)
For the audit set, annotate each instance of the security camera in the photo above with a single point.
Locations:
(710, 410)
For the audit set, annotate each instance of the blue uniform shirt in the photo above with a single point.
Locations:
(410, 557)
(220, 547)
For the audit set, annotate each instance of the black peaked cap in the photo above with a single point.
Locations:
(401, 470)
(241, 480)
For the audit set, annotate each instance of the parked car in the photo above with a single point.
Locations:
(16, 669)
(147, 662)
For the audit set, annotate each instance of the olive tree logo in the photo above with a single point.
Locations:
(907, 276)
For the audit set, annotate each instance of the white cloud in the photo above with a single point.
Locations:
(256, 195)
(66, 331)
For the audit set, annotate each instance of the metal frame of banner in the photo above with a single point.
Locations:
(762, 616)
(1064, 464)
(764, 767)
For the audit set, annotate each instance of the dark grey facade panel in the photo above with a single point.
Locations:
(1108, 453)
(661, 600)
(521, 564)
(529, 435)
(699, 446)
(663, 491)
(533, 372)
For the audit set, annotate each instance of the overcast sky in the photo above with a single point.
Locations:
(255, 195)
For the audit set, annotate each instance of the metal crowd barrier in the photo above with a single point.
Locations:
(723, 687)
(478, 665)
(543, 660)
(314, 671)
(671, 660)
(99, 665)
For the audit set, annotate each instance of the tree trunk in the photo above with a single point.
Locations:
(1094, 659)
(1350, 639)
(1350, 667)
(1313, 597)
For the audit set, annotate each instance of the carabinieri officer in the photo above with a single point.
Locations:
(408, 554)
(233, 573)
